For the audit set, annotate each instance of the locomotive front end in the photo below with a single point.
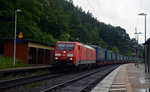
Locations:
(64, 54)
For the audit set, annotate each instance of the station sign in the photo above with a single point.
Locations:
(20, 36)
(133, 54)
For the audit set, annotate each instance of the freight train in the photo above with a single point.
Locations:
(75, 54)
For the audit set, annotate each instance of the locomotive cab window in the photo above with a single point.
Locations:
(69, 47)
(78, 47)
(60, 46)
(65, 46)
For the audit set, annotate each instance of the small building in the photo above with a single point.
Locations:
(147, 55)
(29, 51)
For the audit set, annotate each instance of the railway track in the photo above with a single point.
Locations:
(25, 80)
(13, 73)
(82, 83)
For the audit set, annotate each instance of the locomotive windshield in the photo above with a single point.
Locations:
(65, 46)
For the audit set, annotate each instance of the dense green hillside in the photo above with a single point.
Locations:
(52, 20)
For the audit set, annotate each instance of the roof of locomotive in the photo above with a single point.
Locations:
(66, 42)
(87, 46)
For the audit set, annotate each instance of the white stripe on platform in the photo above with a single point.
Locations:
(117, 89)
(118, 85)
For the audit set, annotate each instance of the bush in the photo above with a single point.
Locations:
(8, 63)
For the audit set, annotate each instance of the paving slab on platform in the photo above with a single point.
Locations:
(105, 84)
(126, 78)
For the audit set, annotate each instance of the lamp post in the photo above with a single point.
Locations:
(18, 10)
(137, 53)
(143, 14)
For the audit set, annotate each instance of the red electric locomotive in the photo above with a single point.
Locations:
(73, 54)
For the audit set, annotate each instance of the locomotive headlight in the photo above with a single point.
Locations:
(57, 54)
(70, 58)
(56, 58)
(70, 55)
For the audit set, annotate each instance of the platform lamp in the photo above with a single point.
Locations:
(137, 33)
(143, 14)
(17, 11)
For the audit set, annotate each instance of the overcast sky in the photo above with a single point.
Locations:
(122, 13)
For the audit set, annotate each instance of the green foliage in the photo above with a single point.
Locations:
(51, 20)
(115, 50)
(102, 44)
(32, 85)
(64, 37)
(8, 63)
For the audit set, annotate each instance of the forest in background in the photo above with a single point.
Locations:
(50, 21)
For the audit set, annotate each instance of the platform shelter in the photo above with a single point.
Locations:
(29, 51)
(147, 55)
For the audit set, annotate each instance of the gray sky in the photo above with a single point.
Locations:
(122, 13)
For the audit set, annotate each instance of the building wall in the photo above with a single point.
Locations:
(21, 50)
(8, 48)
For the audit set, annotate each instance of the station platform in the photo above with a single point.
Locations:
(126, 78)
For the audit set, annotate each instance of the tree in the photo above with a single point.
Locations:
(52, 20)
(115, 50)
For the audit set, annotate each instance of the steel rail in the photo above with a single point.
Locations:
(59, 86)
(25, 80)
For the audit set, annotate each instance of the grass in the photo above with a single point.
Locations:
(8, 63)
(32, 85)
